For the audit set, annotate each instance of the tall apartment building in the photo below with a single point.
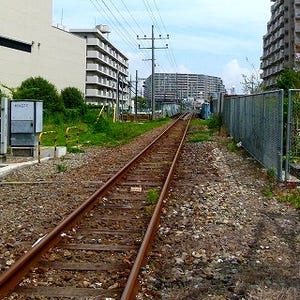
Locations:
(281, 43)
(30, 46)
(174, 87)
(106, 66)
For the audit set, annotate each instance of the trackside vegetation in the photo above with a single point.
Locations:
(203, 130)
(95, 130)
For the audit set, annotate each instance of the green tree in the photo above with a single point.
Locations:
(39, 88)
(288, 79)
(142, 102)
(72, 97)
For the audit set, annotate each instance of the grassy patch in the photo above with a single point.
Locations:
(95, 130)
(200, 131)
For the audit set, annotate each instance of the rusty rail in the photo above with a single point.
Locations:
(130, 288)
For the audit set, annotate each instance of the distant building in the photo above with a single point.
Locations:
(105, 66)
(281, 43)
(174, 87)
(30, 46)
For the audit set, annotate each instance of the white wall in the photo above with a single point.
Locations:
(57, 56)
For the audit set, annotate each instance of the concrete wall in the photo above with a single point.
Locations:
(56, 55)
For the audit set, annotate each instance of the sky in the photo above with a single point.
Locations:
(220, 38)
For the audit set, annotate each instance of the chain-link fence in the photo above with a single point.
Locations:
(292, 162)
(257, 122)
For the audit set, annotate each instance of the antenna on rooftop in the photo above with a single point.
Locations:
(62, 16)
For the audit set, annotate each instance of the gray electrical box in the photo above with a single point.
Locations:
(3, 128)
(26, 122)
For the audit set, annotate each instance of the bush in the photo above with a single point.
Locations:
(38, 88)
(215, 122)
(72, 97)
(73, 115)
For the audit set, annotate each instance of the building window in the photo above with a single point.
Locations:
(13, 44)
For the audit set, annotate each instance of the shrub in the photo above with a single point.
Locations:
(215, 122)
(72, 98)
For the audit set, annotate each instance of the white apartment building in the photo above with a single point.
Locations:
(106, 66)
(281, 43)
(174, 87)
(30, 46)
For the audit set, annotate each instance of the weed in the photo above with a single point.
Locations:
(232, 146)
(60, 168)
(152, 197)
(75, 150)
(293, 198)
(271, 173)
(268, 192)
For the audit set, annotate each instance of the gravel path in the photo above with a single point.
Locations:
(220, 237)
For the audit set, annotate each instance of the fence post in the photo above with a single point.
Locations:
(280, 143)
(288, 137)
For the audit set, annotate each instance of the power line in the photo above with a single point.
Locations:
(115, 24)
(132, 17)
(170, 53)
(125, 19)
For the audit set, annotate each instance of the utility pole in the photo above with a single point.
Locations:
(136, 94)
(153, 38)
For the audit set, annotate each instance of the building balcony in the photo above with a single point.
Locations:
(91, 80)
(92, 93)
(297, 27)
(99, 93)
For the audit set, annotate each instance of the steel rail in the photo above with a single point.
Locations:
(130, 289)
(11, 277)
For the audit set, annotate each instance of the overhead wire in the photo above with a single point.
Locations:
(170, 53)
(132, 17)
(119, 24)
(116, 25)
(108, 10)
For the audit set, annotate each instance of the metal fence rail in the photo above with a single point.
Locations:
(257, 122)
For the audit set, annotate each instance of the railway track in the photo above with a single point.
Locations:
(98, 250)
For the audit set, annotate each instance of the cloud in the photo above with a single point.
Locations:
(232, 75)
